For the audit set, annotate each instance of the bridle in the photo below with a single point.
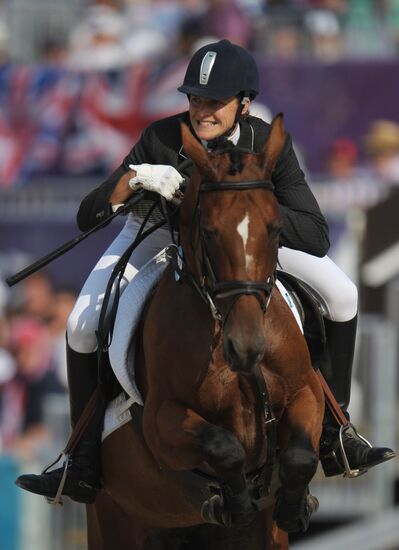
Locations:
(212, 288)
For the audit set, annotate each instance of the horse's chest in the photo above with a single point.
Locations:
(216, 393)
(224, 401)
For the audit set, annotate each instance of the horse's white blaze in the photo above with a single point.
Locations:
(242, 229)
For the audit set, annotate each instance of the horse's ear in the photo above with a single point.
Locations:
(274, 145)
(194, 150)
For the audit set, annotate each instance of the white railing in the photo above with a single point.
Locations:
(379, 532)
(373, 492)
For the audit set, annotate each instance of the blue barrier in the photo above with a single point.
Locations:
(10, 504)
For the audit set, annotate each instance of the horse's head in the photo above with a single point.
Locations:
(230, 226)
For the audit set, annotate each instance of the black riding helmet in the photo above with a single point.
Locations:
(221, 70)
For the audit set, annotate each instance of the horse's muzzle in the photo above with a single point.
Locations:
(243, 356)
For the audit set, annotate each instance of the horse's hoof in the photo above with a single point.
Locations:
(295, 518)
(212, 511)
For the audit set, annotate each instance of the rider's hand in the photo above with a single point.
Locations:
(158, 178)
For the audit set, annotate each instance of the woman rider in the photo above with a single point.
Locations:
(220, 82)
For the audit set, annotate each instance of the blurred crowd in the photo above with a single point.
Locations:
(357, 177)
(360, 175)
(99, 71)
(113, 33)
(32, 361)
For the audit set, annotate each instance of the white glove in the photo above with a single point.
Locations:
(158, 178)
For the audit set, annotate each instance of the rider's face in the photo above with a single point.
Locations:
(211, 118)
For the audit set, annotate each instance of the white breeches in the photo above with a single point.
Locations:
(83, 321)
(334, 289)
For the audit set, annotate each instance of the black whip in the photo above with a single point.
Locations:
(41, 262)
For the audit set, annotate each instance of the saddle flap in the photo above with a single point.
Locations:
(312, 312)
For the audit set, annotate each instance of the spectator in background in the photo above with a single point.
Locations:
(343, 159)
(24, 395)
(3, 38)
(147, 38)
(325, 34)
(97, 42)
(381, 145)
(392, 23)
(54, 51)
(347, 183)
(4, 295)
(7, 421)
(63, 302)
(225, 19)
(37, 297)
(281, 35)
(157, 29)
(7, 373)
(190, 32)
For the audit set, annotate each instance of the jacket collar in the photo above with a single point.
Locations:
(186, 119)
(247, 136)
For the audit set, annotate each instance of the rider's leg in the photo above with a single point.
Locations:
(83, 473)
(338, 295)
(340, 347)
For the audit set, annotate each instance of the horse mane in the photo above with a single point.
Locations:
(236, 161)
(235, 154)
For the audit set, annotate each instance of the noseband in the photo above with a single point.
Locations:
(225, 289)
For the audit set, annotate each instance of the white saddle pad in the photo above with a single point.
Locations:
(127, 318)
(130, 307)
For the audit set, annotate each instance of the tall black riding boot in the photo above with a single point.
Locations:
(83, 474)
(360, 455)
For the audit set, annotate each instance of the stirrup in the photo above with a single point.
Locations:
(57, 500)
(351, 472)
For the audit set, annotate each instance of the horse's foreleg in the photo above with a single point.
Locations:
(185, 440)
(298, 461)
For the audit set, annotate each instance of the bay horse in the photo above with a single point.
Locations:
(221, 363)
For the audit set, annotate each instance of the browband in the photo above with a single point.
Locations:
(236, 185)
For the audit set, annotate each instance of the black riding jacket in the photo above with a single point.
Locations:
(304, 226)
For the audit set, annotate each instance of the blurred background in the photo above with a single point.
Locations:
(79, 80)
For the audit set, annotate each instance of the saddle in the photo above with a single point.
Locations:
(311, 313)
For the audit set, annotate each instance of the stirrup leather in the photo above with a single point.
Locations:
(350, 472)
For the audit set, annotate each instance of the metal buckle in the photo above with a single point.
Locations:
(351, 472)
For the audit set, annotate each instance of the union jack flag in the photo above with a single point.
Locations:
(59, 121)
